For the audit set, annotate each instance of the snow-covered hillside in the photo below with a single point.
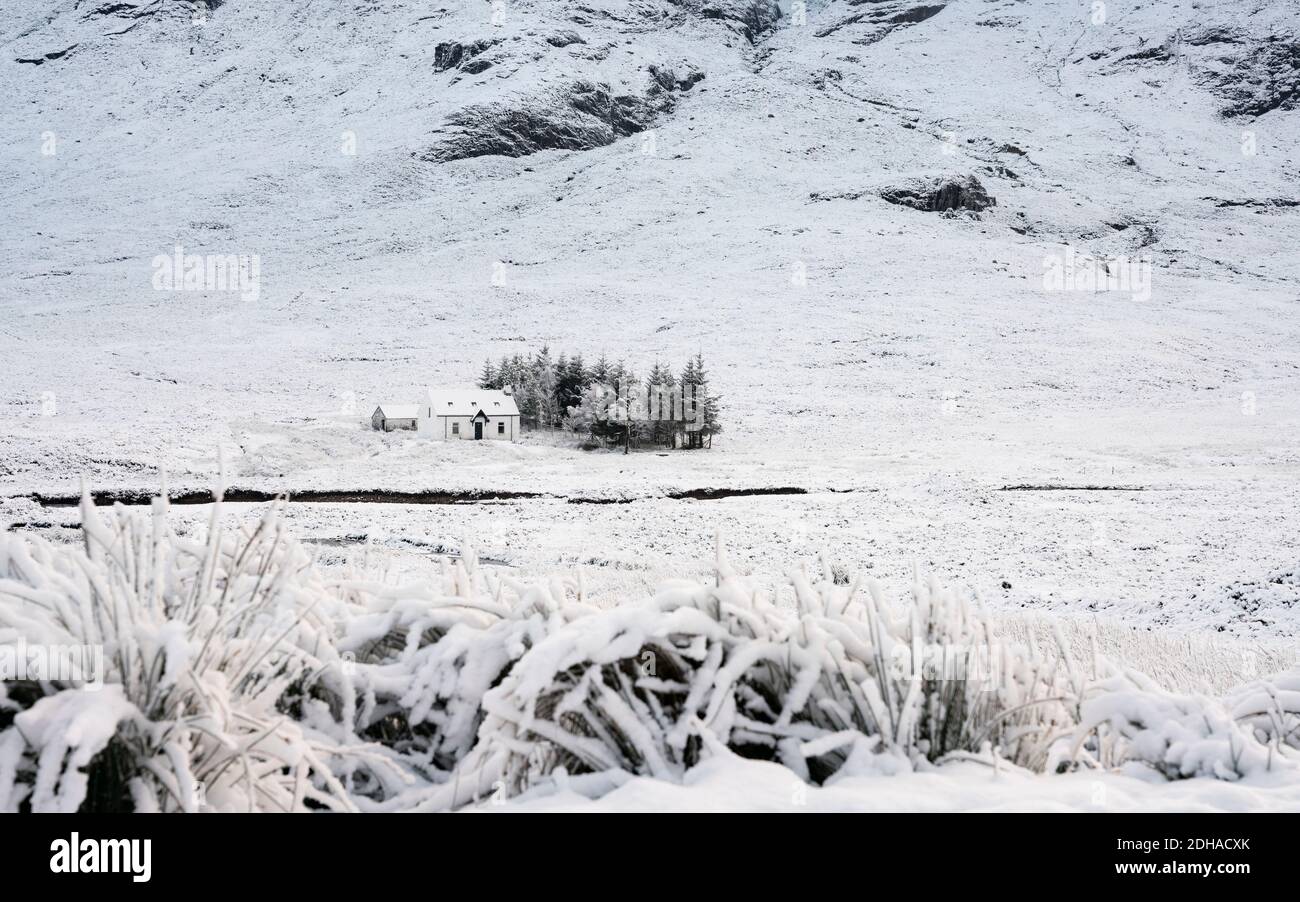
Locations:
(427, 184)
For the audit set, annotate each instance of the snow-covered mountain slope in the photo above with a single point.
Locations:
(650, 178)
(655, 177)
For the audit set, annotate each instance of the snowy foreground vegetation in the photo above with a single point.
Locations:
(238, 675)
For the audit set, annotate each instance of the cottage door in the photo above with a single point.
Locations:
(478, 430)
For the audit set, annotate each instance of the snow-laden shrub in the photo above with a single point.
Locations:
(425, 662)
(205, 647)
(931, 680)
(625, 690)
(1270, 708)
(1127, 719)
(841, 683)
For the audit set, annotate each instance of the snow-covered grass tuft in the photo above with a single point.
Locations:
(844, 684)
(426, 655)
(203, 645)
(1270, 709)
(1129, 720)
(1210, 663)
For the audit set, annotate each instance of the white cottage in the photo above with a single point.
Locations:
(470, 413)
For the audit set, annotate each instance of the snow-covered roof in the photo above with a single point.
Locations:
(466, 402)
(399, 411)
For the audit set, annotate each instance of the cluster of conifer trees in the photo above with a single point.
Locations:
(608, 401)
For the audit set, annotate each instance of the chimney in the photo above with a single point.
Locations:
(508, 390)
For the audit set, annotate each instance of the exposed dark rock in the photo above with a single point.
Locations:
(1255, 73)
(941, 193)
(882, 18)
(48, 57)
(1161, 53)
(838, 195)
(452, 54)
(753, 18)
(914, 14)
(145, 8)
(113, 9)
(1216, 34)
(1259, 203)
(669, 79)
(559, 122)
(564, 38)
(934, 194)
(475, 66)
(580, 116)
(1255, 78)
(821, 77)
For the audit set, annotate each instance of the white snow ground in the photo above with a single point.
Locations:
(920, 362)
(728, 783)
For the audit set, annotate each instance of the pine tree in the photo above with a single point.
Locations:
(488, 378)
(703, 410)
(505, 373)
(559, 388)
(662, 411)
(524, 388)
(570, 380)
(543, 386)
(711, 404)
(599, 373)
(690, 398)
(578, 377)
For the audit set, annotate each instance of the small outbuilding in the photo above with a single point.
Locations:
(389, 417)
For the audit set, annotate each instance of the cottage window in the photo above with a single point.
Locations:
(455, 428)
(501, 428)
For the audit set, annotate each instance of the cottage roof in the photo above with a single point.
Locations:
(465, 402)
(399, 411)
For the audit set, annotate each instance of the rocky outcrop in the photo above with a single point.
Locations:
(881, 18)
(940, 193)
(1256, 203)
(1254, 75)
(1254, 72)
(675, 79)
(564, 38)
(455, 54)
(752, 18)
(579, 116)
(46, 57)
